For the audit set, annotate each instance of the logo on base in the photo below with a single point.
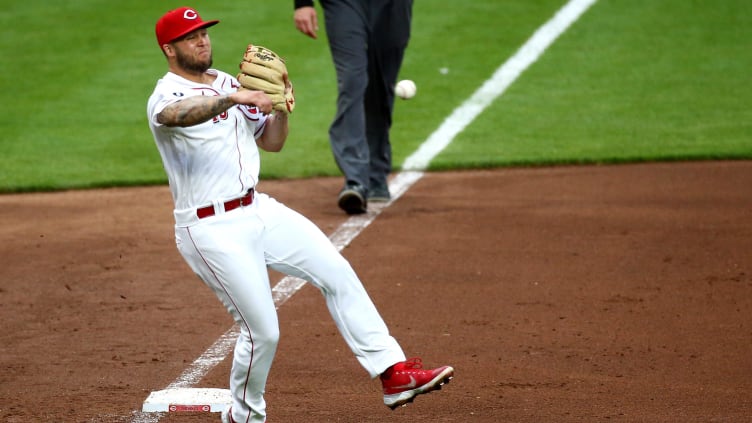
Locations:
(188, 408)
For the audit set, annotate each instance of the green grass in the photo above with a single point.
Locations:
(630, 81)
(657, 80)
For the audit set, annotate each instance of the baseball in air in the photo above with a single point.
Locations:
(405, 89)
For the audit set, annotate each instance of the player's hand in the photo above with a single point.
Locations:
(253, 98)
(307, 21)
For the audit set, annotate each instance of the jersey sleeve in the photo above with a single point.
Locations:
(163, 96)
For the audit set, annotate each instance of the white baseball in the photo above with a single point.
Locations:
(405, 89)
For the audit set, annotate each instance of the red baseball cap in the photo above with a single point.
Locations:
(176, 23)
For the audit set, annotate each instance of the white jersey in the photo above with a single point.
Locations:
(213, 161)
(231, 251)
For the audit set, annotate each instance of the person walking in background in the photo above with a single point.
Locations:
(367, 40)
(208, 134)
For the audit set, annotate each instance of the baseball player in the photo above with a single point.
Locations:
(208, 133)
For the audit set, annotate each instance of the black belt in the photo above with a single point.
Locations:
(245, 200)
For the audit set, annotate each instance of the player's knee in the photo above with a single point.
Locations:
(340, 266)
(352, 86)
(269, 336)
(265, 333)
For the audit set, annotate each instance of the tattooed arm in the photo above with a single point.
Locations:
(198, 109)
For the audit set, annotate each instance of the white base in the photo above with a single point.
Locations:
(172, 400)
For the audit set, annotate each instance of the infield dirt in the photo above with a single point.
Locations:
(566, 294)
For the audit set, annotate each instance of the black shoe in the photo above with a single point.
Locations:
(352, 199)
(379, 193)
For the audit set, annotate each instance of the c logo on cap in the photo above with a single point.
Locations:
(190, 14)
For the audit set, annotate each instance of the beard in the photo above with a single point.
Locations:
(192, 65)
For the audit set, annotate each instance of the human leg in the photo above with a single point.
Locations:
(378, 122)
(224, 252)
(295, 246)
(347, 32)
(387, 43)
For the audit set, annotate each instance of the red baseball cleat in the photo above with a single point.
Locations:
(405, 380)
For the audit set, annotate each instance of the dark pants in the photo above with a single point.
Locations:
(367, 40)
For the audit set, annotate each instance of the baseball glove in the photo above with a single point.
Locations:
(263, 70)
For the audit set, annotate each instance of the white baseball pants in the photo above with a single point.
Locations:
(230, 252)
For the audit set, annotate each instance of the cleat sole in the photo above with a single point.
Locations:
(436, 386)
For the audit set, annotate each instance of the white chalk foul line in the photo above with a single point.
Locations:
(497, 84)
(412, 172)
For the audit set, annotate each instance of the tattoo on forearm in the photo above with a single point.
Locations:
(193, 110)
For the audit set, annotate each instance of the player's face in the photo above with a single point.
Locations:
(193, 52)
